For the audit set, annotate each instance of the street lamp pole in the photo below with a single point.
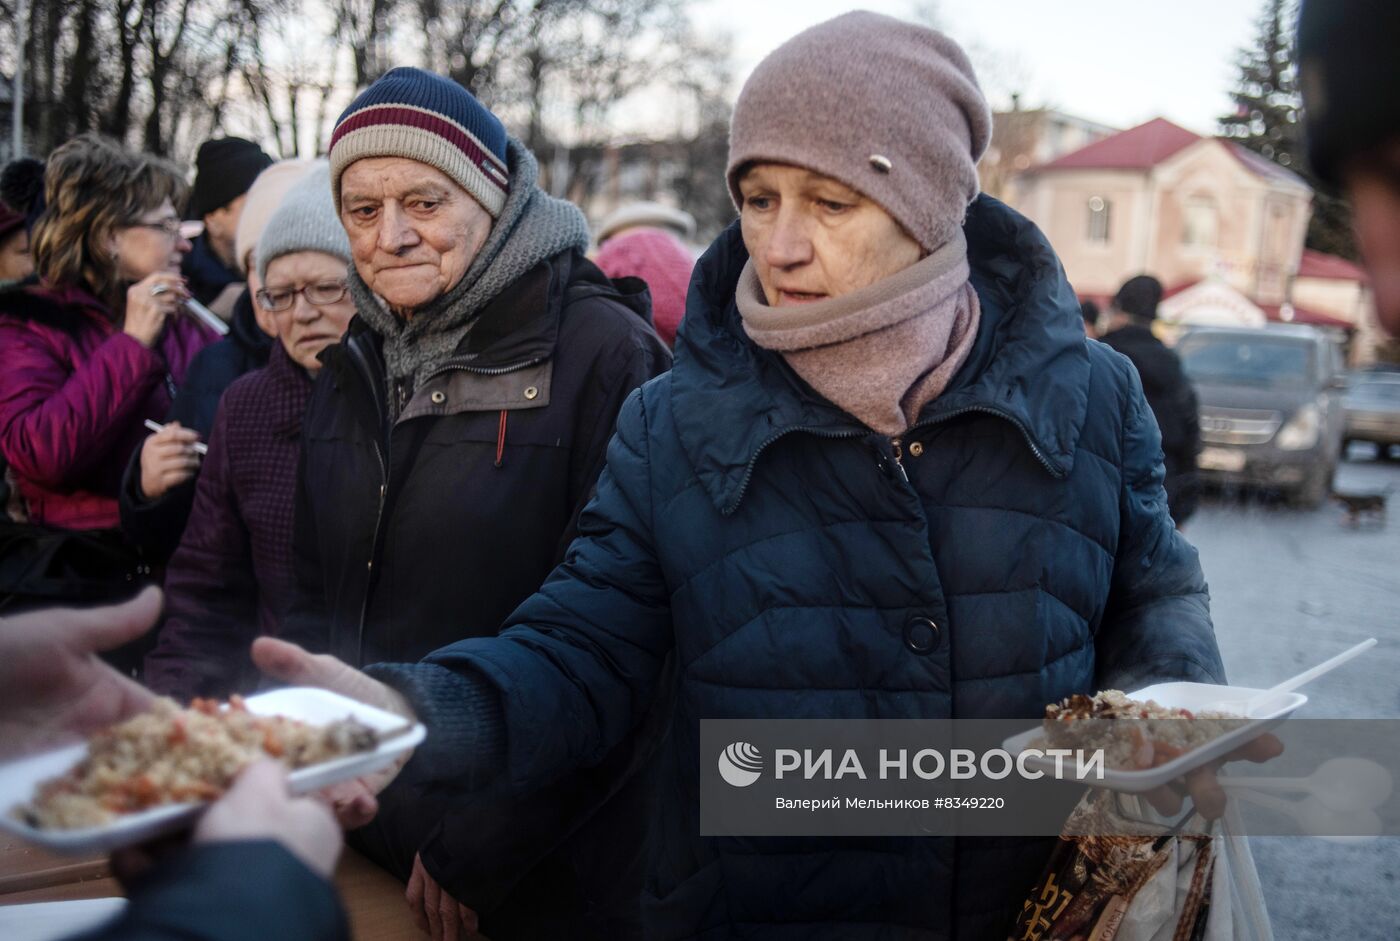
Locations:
(17, 86)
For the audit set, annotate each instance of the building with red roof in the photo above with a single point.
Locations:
(1162, 199)
(1219, 225)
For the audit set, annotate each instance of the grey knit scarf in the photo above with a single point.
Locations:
(532, 226)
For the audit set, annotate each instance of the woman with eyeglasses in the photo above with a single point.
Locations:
(91, 350)
(231, 578)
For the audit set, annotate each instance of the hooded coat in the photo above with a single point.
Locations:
(790, 565)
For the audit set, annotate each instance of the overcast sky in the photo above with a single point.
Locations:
(1120, 62)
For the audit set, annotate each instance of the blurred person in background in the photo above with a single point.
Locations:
(646, 215)
(258, 864)
(224, 170)
(1090, 312)
(16, 263)
(21, 198)
(153, 509)
(1169, 392)
(449, 445)
(231, 579)
(94, 347)
(1348, 73)
(641, 249)
(887, 478)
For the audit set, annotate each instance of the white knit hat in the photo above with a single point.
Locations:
(264, 196)
(305, 222)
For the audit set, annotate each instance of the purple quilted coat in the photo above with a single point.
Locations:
(231, 579)
(74, 393)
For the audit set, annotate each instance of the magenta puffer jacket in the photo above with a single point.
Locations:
(74, 394)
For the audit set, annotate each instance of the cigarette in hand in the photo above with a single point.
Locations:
(211, 319)
(199, 446)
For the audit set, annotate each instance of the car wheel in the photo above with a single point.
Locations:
(1315, 489)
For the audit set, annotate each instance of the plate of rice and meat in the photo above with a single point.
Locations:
(1152, 736)
(155, 772)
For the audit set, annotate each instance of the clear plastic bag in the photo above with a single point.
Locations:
(1168, 884)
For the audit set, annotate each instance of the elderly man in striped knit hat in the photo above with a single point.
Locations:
(450, 443)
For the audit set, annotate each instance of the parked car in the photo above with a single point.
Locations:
(1271, 413)
(1372, 406)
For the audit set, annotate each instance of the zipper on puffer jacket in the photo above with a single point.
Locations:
(989, 410)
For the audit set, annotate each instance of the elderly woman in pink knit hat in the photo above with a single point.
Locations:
(887, 478)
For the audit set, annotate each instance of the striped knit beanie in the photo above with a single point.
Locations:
(425, 117)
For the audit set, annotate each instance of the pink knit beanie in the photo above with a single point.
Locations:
(890, 109)
(659, 259)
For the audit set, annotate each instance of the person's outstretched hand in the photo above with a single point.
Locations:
(1202, 785)
(259, 807)
(53, 687)
(434, 911)
(354, 801)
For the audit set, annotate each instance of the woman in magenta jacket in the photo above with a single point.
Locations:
(97, 342)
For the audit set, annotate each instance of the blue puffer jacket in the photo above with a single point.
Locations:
(777, 548)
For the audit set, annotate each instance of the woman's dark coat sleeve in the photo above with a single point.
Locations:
(1156, 626)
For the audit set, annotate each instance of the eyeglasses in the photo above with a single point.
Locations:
(317, 295)
(170, 226)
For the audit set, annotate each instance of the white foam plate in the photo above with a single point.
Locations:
(20, 780)
(1196, 697)
(52, 921)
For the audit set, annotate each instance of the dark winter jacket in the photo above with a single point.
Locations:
(1172, 399)
(244, 349)
(205, 274)
(784, 558)
(155, 526)
(414, 535)
(230, 891)
(75, 392)
(231, 579)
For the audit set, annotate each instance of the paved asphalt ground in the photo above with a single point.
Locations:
(1288, 589)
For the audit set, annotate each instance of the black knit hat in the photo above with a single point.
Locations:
(1139, 297)
(224, 169)
(1349, 72)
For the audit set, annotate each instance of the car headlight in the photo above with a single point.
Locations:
(1302, 430)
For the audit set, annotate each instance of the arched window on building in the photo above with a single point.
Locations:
(1099, 212)
(1200, 223)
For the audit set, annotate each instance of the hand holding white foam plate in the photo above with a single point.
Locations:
(1196, 697)
(19, 780)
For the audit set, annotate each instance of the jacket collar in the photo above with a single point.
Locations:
(205, 266)
(519, 328)
(1028, 365)
(244, 329)
(292, 386)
